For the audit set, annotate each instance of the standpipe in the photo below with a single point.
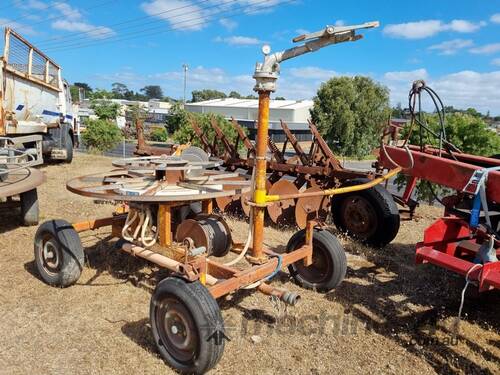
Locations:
(266, 74)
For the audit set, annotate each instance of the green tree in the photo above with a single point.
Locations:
(152, 92)
(120, 91)
(202, 95)
(235, 95)
(75, 93)
(101, 94)
(280, 98)
(398, 111)
(350, 112)
(105, 109)
(101, 135)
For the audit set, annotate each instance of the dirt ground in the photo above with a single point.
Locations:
(388, 316)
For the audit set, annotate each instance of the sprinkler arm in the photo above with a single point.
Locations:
(267, 73)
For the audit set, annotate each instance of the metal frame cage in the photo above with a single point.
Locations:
(24, 59)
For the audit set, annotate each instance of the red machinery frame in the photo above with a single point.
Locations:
(450, 242)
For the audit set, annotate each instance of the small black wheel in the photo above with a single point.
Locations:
(59, 253)
(68, 146)
(329, 261)
(29, 207)
(370, 215)
(187, 325)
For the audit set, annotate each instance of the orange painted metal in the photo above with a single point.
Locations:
(260, 176)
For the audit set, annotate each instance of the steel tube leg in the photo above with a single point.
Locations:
(260, 177)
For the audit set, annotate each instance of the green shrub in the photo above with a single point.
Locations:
(159, 135)
(101, 135)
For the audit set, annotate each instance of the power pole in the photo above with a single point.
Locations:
(185, 67)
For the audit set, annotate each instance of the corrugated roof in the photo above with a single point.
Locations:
(252, 103)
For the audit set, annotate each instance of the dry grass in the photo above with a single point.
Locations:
(380, 320)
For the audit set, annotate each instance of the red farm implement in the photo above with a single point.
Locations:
(466, 239)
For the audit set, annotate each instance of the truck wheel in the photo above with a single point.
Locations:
(59, 256)
(69, 148)
(329, 261)
(29, 207)
(370, 215)
(187, 325)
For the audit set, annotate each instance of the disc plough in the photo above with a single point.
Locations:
(295, 167)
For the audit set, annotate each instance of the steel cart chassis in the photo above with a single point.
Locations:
(161, 224)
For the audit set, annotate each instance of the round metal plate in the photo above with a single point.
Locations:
(282, 212)
(19, 181)
(311, 208)
(359, 216)
(193, 229)
(230, 203)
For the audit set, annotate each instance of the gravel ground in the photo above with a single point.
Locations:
(388, 316)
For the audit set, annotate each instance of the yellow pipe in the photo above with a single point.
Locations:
(336, 191)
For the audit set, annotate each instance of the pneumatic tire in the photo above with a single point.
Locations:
(68, 145)
(187, 326)
(59, 255)
(329, 261)
(29, 207)
(370, 216)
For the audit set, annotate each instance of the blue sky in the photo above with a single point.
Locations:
(454, 45)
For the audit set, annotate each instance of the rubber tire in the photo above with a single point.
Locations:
(388, 219)
(29, 207)
(205, 313)
(496, 156)
(69, 148)
(70, 248)
(335, 252)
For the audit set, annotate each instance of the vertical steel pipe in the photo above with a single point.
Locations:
(260, 176)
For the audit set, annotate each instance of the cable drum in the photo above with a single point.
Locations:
(209, 231)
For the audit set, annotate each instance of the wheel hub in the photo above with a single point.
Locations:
(51, 256)
(178, 331)
(359, 216)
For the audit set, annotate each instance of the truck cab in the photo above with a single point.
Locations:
(35, 102)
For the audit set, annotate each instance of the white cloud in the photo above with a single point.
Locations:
(228, 24)
(237, 40)
(72, 20)
(17, 26)
(187, 15)
(406, 76)
(463, 89)
(428, 28)
(495, 18)
(486, 49)
(96, 32)
(68, 11)
(181, 14)
(312, 72)
(495, 62)
(339, 23)
(451, 47)
(30, 4)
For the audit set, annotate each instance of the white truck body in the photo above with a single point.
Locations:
(34, 99)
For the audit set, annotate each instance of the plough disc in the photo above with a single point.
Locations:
(311, 208)
(283, 212)
(230, 204)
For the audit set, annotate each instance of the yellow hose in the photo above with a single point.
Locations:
(336, 191)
